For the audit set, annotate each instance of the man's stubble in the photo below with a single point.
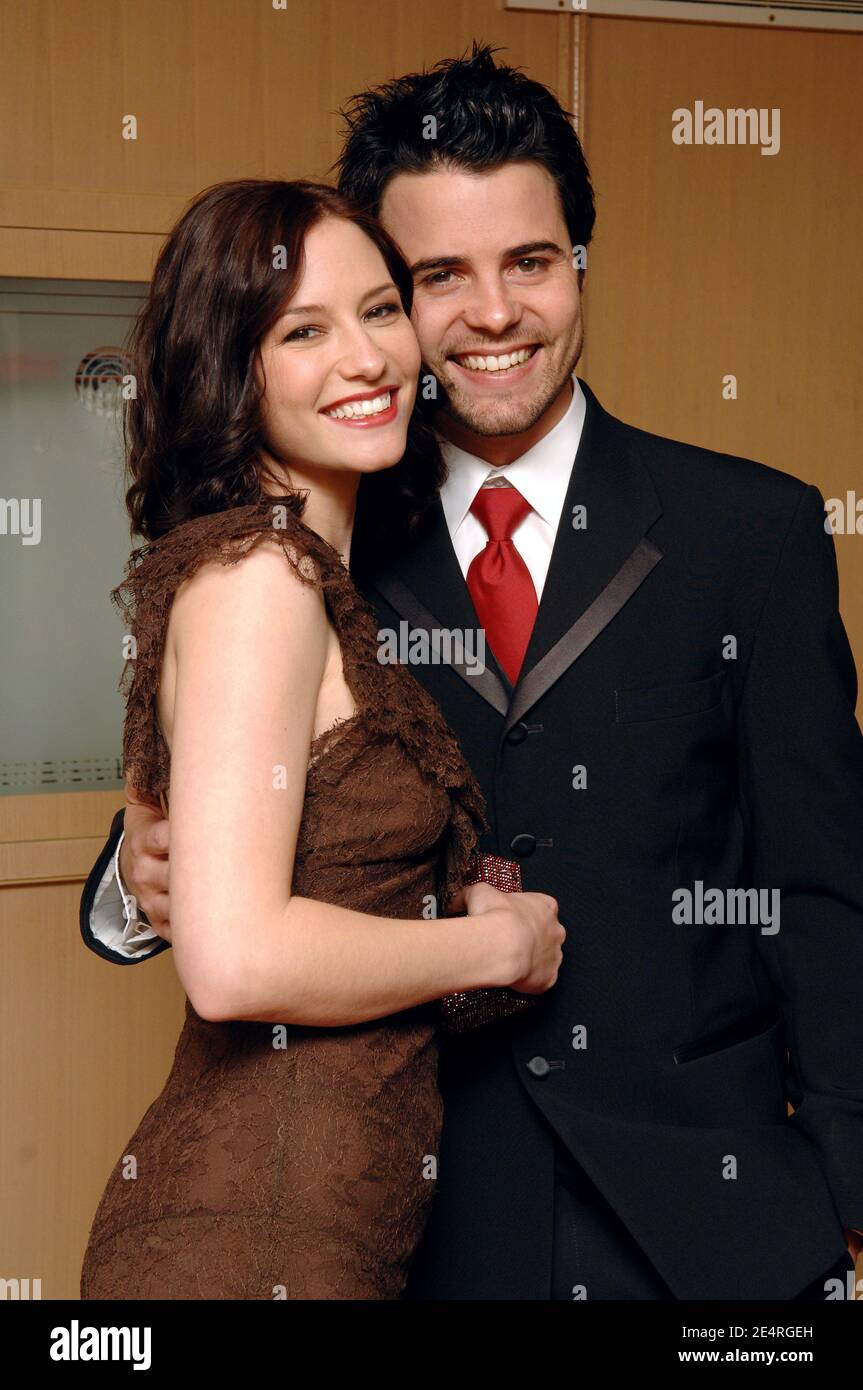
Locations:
(500, 416)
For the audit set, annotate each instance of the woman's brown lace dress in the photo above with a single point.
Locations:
(285, 1161)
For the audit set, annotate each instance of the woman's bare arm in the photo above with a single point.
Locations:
(250, 642)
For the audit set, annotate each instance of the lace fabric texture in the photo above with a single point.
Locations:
(283, 1160)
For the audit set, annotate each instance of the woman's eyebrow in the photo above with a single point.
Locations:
(303, 309)
(322, 308)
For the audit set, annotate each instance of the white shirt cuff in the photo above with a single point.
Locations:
(114, 916)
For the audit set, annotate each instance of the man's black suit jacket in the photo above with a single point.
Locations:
(684, 717)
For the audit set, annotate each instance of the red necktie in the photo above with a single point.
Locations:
(498, 579)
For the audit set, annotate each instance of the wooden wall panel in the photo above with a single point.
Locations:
(220, 89)
(85, 1046)
(718, 259)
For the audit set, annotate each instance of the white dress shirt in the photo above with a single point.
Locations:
(541, 476)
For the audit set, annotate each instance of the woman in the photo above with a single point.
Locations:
(322, 814)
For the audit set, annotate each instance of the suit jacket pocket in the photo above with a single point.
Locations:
(743, 1031)
(668, 701)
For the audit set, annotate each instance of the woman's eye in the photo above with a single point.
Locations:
(297, 335)
(384, 311)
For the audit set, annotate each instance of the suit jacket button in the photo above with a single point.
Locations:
(518, 733)
(523, 845)
(538, 1066)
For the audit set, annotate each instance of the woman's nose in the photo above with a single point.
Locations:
(362, 355)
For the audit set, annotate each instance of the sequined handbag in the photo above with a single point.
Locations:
(472, 1008)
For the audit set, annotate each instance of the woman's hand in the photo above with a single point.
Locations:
(528, 937)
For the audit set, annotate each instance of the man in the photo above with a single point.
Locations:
(665, 719)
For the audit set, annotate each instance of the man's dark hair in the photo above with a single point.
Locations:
(486, 116)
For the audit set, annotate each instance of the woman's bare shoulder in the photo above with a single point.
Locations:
(247, 583)
(209, 544)
(252, 617)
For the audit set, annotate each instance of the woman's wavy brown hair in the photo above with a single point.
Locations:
(194, 431)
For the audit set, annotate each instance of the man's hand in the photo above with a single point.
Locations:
(144, 860)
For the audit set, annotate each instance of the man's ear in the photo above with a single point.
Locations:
(581, 275)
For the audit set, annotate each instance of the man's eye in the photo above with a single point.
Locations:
(531, 262)
(439, 277)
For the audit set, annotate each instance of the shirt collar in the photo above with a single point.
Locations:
(541, 474)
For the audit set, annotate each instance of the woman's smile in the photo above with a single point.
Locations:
(365, 410)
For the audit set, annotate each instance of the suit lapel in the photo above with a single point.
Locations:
(596, 565)
(493, 687)
(425, 585)
(594, 569)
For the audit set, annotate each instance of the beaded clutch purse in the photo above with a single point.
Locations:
(474, 1007)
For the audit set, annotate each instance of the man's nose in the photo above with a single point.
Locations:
(491, 307)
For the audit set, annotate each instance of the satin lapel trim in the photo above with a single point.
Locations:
(550, 667)
(425, 579)
(584, 630)
(484, 682)
(620, 505)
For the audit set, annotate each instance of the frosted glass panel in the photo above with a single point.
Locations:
(64, 535)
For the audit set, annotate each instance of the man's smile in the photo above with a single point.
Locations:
(513, 365)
